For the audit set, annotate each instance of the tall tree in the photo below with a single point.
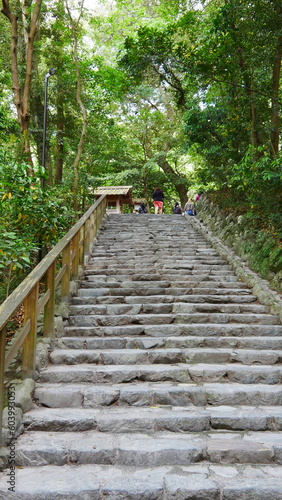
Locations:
(75, 27)
(22, 72)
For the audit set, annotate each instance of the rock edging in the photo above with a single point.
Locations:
(258, 285)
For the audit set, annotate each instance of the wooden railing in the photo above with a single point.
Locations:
(60, 266)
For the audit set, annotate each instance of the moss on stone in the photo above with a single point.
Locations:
(258, 248)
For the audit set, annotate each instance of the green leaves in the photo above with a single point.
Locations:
(14, 256)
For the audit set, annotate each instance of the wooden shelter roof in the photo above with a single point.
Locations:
(113, 190)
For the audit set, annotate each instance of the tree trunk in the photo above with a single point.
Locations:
(248, 84)
(60, 139)
(179, 182)
(21, 98)
(74, 27)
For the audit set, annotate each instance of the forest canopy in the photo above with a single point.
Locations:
(181, 94)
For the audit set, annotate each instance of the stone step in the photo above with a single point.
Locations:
(170, 245)
(167, 394)
(181, 372)
(161, 448)
(121, 251)
(263, 343)
(164, 356)
(165, 299)
(175, 330)
(154, 263)
(155, 279)
(155, 419)
(89, 290)
(122, 271)
(172, 308)
(198, 482)
(165, 283)
(124, 254)
(159, 319)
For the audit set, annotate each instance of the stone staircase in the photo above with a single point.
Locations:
(166, 383)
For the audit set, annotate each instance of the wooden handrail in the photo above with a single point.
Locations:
(60, 266)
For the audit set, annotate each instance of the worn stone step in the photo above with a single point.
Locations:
(161, 448)
(158, 277)
(118, 356)
(98, 264)
(198, 482)
(152, 248)
(169, 394)
(164, 356)
(103, 254)
(177, 329)
(165, 299)
(171, 308)
(264, 343)
(123, 272)
(152, 260)
(198, 372)
(152, 420)
(162, 319)
(142, 291)
(168, 281)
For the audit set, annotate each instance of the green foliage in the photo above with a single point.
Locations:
(29, 218)
(15, 258)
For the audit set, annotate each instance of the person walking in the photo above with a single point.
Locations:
(177, 208)
(158, 200)
(142, 209)
(190, 207)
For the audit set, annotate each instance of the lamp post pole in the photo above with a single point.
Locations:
(46, 79)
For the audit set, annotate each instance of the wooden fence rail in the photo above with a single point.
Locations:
(60, 266)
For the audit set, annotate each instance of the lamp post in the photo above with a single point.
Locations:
(46, 79)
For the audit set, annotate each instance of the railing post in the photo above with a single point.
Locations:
(49, 310)
(2, 375)
(66, 277)
(87, 237)
(92, 228)
(29, 345)
(75, 260)
(81, 246)
(94, 224)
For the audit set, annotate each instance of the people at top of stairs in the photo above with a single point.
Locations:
(158, 200)
(177, 208)
(190, 207)
(142, 209)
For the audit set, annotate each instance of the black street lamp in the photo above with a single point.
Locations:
(50, 73)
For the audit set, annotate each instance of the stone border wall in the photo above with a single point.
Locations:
(257, 248)
(210, 223)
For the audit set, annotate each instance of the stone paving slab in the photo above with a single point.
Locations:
(161, 287)
(151, 394)
(163, 372)
(166, 299)
(167, 308)
(102, 289)
(159, 319)
(192, 482)
(155, 419)
(162, 448)
(166, 355)
(156, 331)
(268, 343)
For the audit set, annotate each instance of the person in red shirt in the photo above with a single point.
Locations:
(158, 200)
